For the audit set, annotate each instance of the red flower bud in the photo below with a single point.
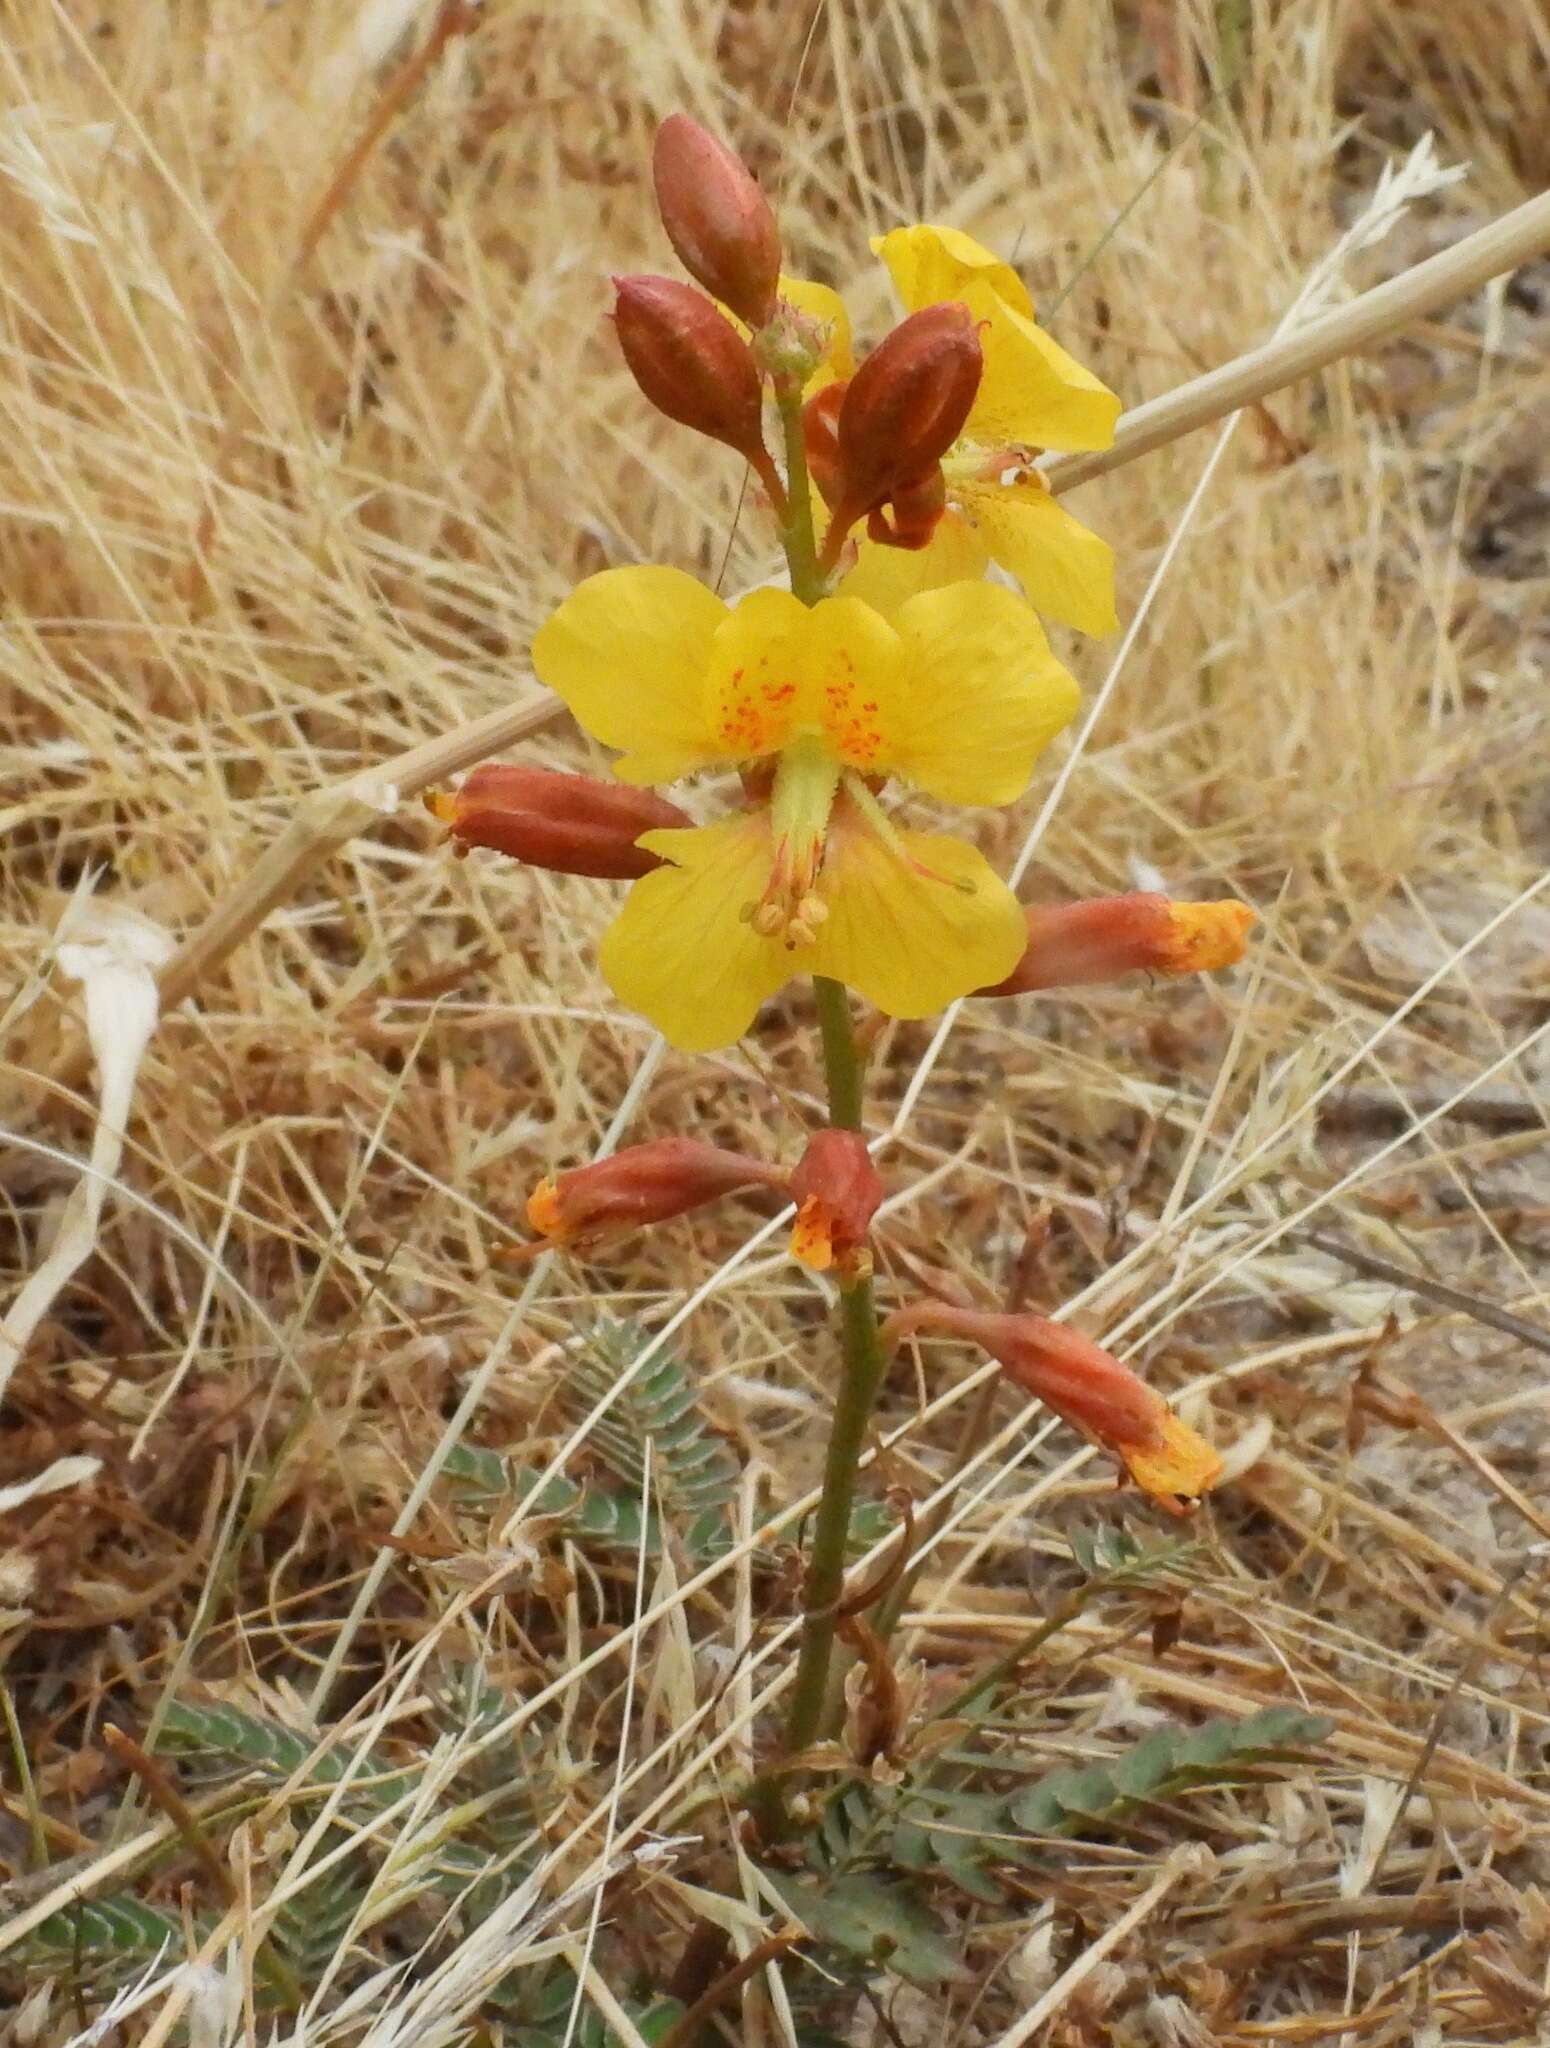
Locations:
(691, 362)
(572, 824)
(1089, 1388)
(1072, 944)
(903, 410)
(644, 1184)
(716, 218)
(837, 1191)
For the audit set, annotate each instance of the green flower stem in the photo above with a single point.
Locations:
(796, 534)
(824, 1581)
(863, 1359)
(841, 1062)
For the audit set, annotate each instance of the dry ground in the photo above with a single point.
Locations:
(265, 525)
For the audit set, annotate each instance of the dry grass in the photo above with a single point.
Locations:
(264, 527)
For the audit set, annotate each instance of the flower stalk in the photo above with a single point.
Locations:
(808, 581)
(862, 1358)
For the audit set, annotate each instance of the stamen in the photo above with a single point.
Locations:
(806, 781)
(880, 823)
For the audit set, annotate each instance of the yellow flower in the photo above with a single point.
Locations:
(955, 694)
(1032, 396)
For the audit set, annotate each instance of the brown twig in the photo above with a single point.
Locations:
(323, 823)
(166, 1797)
(1487, 1109)
(682, 2032)
(1379, 1393)
(1431, 1290)
(453, 18)
(1423, 289)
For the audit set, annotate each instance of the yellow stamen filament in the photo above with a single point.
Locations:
(801, 800)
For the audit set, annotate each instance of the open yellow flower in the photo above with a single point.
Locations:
(955, 694)
(1032, 395)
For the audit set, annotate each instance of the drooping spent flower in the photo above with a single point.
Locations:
(1086, 1386)
(571, 824)
(956, 694)
(837, 1191)
(591, 1205)
(1073, 944)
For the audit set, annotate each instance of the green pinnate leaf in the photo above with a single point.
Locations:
(118, 1926)
(1148, 1766)
(881, 1921)
(1163, 1763)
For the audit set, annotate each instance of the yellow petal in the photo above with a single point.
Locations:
(680, 951)
(1205, 936)
(977, 699)
(1179, 1468)
(929, 264)
(779, 666)
(821, 302)
(1032, 393)
(885, 577)
(754, 694)
(914, 920)
(1064, 568)
(627, 651)
(812, 1235)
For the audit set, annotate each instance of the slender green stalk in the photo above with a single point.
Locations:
(841, 1062)
(824, 1581)
(861, 1344)
(1006, 1666)
(796, 533)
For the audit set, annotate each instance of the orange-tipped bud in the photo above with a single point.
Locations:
(573, 824)
(691, 362)
(1089, 1388)
(904, 408)
(588, 1205)
(1072, 944)
(716, 218)
(837, 1191)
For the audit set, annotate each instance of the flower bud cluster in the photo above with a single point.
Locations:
(875, 443)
